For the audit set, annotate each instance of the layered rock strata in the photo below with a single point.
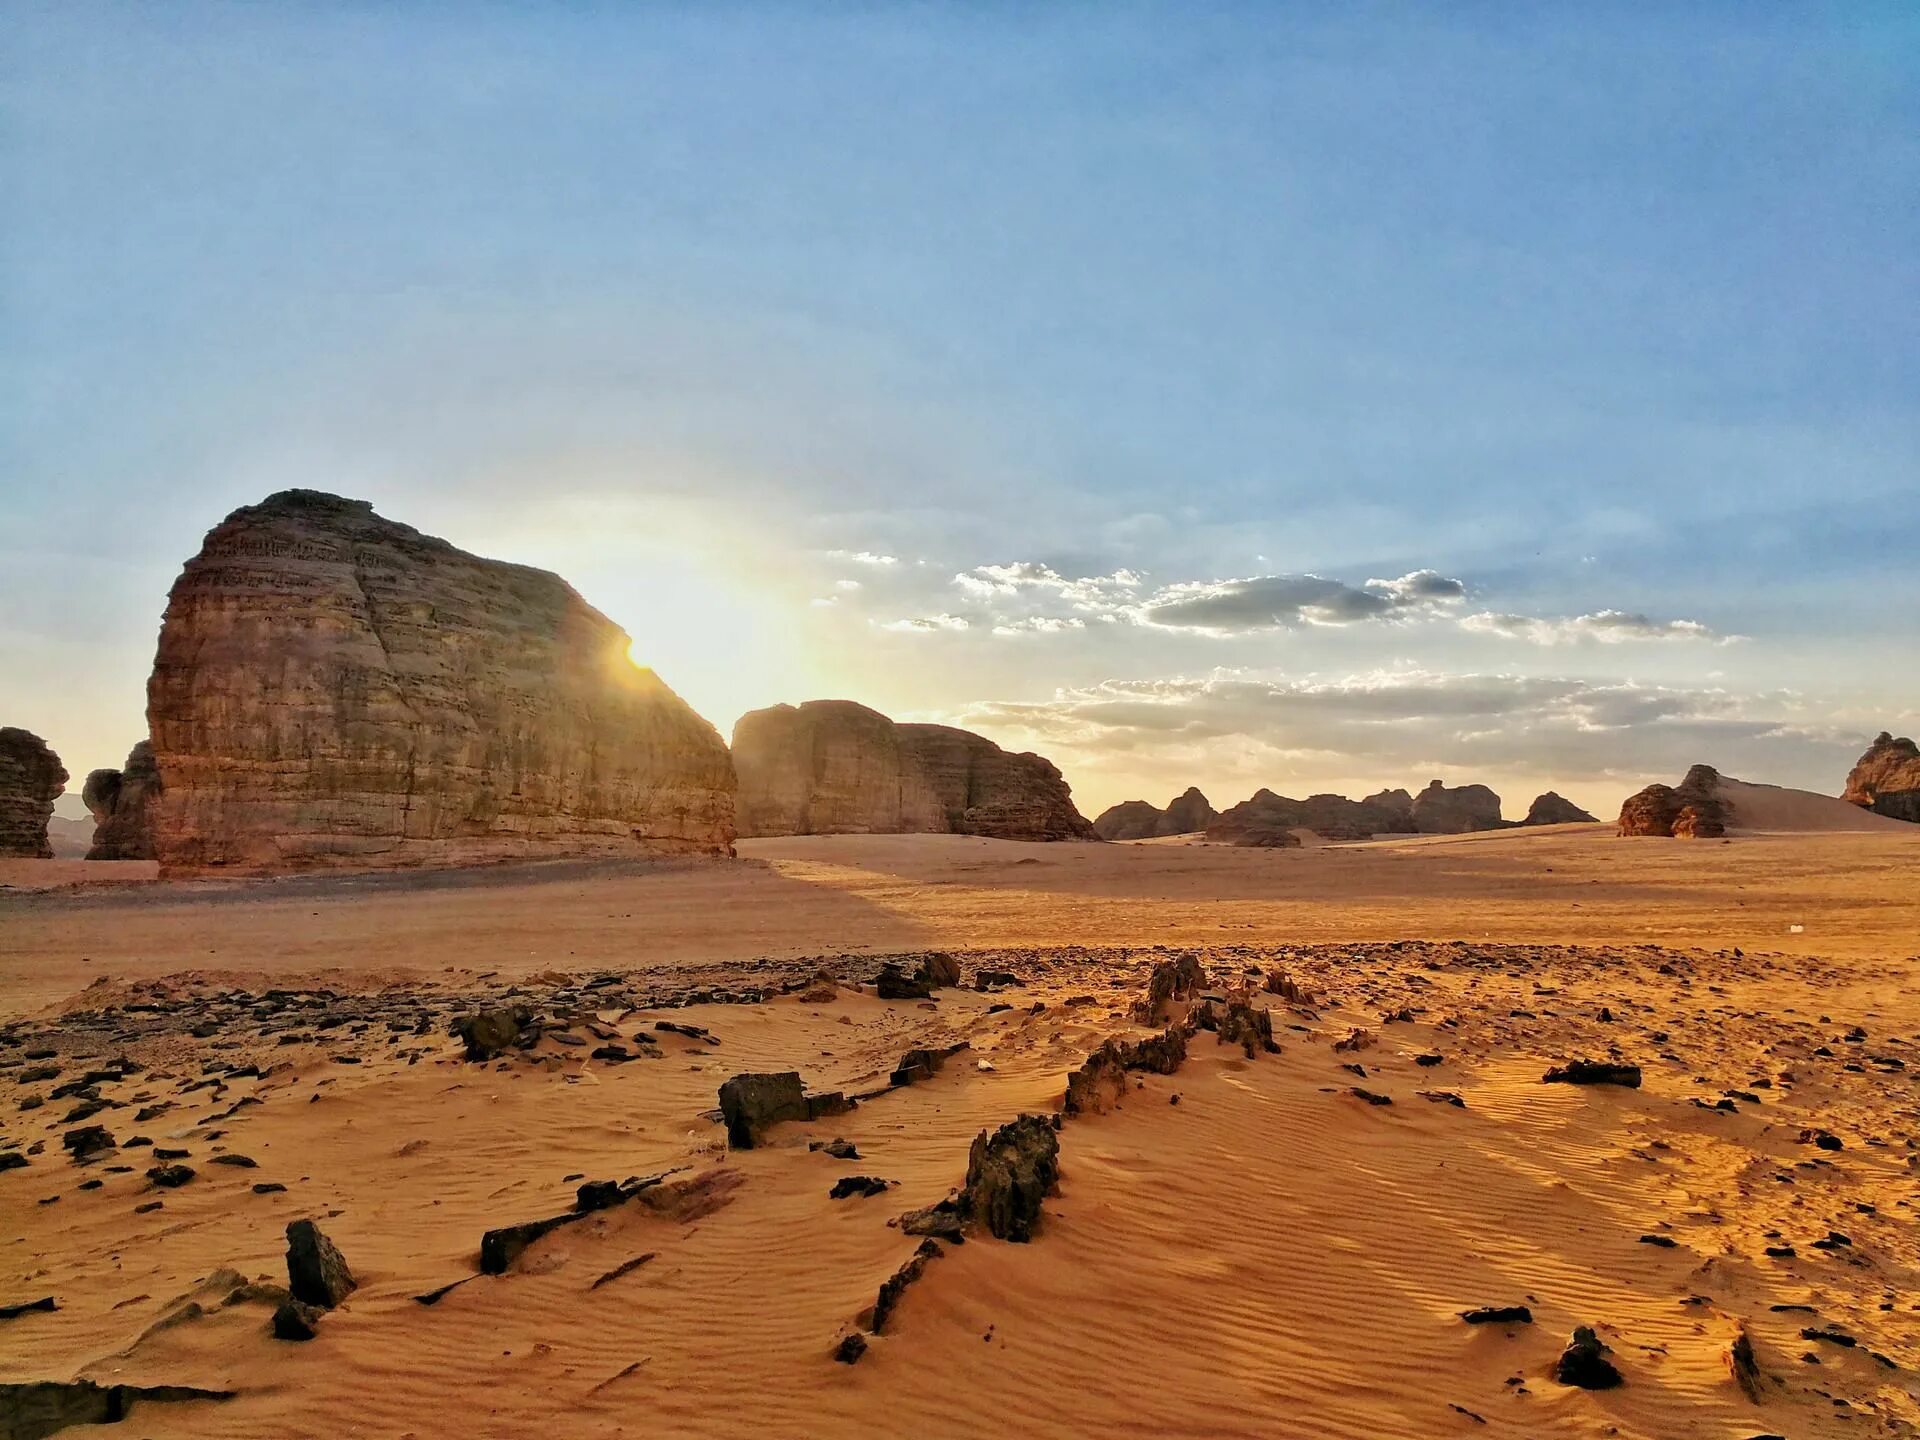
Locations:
(1693, 809)
(1886, 779)
(1186, 814)
(31, 779)
(120, 802)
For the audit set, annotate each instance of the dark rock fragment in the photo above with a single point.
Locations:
(1584, 1362)
(1593, 1072)
(317, 1272)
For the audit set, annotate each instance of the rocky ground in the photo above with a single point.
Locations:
(1390, 1221)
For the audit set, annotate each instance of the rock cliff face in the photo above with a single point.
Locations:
(833, 767)
(1552, 809)
(1444, 810)
(1887, 778)
(984, 790)
(333, 688)
(828, 767)
(1395, 805)
(1691, 810)
(121, 802)
(31, 779)
(1333, 817)
(1186, 814)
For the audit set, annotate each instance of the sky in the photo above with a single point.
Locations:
(1318, 397)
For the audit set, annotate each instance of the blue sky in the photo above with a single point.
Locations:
(1597, 311)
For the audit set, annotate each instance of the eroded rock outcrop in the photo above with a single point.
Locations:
(121, 804)
(1261, 819)
(31, 779)
(1186, 814)
(1553, 809)
(1691, 810)
(833, 767)
(1009, 1173)
(1886, 779)
(1450, 810)
(334, 688)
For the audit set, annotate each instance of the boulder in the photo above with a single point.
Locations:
(1552, 809)
(1172, 983)
(1593, 1072)
(334, 688)
(1446, 810)
(1584, 1362)
(121, 802)
(31, 779)
(1694, 808)
(833, 767)
(1886, 779)
(297, 1320)
(317, 1272)
(751, 1103)
(489, 1032)
(1009, 1173)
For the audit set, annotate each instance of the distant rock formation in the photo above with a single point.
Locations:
(834, 767)
(1886, 780)
(1445, 810)
(828, 767)
(1690, 810)
(334, 688)
(1552, 809)
(1395, 805)
(1186, 814)
(1259, 820)
(31, 779)
(120, 802)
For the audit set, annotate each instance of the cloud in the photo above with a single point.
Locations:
(1394, 725)
(1040, 625)
(1088, 592)
(926, 624)
(864, 557)
(1609, 627)
(1271, 602)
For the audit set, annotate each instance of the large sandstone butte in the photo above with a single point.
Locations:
(1185, 814)
(31, 779)
(1693, 809)
(1447, 810)
(1886, 780)
(834, 767)
(1553, 808)
(119, 801)
(334, 688)
(1261, 819)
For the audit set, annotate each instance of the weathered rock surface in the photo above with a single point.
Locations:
(31, 779)
(334, 688)
(833, 767)
(1186, 814)
(1009, 1173)
(1266, 815)
(121, 803)
(1396, 805)
(1692, 809)
(44, 1407)
(751, 1103)
(1584, 1362)
(1448, 810)
(1553, 809)
(1886, 779)
(317, 1272)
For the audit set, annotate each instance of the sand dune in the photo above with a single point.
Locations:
(1270, 1255)
(1777, 808)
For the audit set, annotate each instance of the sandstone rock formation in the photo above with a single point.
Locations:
(333, 688)
(1445, 810)
(1334, 817)
(120, 801)
(31, 779)
(828, 767)
(1886, 780)
(1186, 814)
(1691, 809)
(1552, 809)
(1395, 805)
(833, 767)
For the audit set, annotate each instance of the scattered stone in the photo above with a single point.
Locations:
(297, 1320)
(1584, 1362)
(625, 1267)
(170, 1177)
(917, 1065)
(87, 1141)
(751, 1103)
(851, 1347)
(1593, 1072)
(44, 1407)
(862, 1185)
(317, 1272)
(1498, 1315)
(1371, 1097)
(490, 1032)
(9, 1312)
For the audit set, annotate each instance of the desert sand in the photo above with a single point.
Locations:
(1274, 1254)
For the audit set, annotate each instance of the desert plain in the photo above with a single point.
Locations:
(1260, 1243)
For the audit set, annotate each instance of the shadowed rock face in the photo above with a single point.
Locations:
(120, 802)
(1691, 810)
(31, 779)
(1445, 810)
(1186, 814)
(335, 688)
(828, 767)
(1886, 780)
(1552, 809)
(1335, 817)
(833, 767)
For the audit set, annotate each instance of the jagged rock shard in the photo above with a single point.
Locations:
(31, 779)
(1009, 1173)
(334, 688)
(121, 803)
(750, 1103)
(1554, 809)
(46, 1407)
(317, 1272)
(1886, 779)
(1693, 809)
